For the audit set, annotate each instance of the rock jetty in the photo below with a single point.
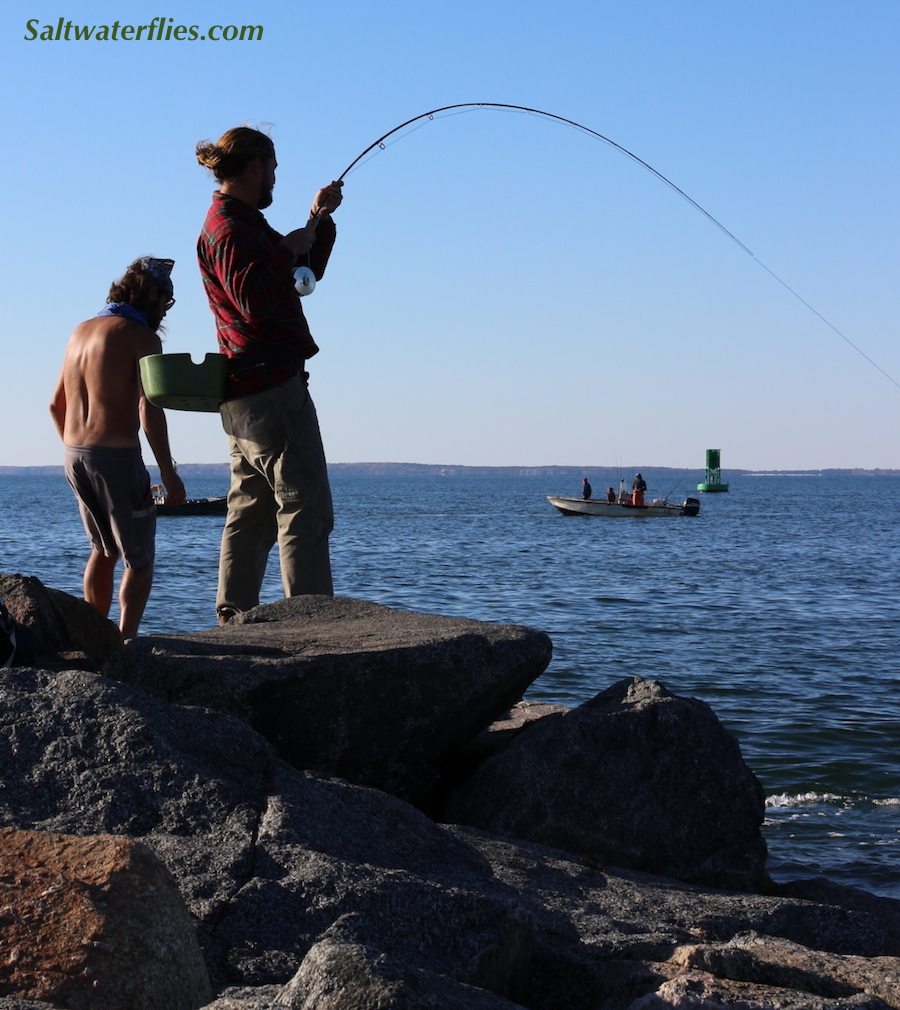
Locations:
(332, 805)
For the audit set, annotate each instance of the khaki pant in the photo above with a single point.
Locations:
(279, 491)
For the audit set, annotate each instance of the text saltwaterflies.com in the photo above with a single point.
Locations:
(160, 29)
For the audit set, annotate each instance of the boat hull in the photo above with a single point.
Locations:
(616, 510)
(194, 507)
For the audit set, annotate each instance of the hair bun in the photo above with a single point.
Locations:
(234, 151)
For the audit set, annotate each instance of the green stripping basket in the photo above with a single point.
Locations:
(174, 381)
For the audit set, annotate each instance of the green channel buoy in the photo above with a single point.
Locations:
(713, 473)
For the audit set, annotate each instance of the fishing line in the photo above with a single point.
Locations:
(425, 117)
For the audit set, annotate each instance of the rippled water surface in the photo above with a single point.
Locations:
(779, 605)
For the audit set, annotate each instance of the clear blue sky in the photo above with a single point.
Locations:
(505, 290)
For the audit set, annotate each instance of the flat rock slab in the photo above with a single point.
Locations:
(377, 696)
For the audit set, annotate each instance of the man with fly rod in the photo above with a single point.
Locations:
(279, 481)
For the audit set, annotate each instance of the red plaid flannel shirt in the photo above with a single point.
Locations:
(249, 282)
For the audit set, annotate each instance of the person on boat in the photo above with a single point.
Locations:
(638, 487)
(279, 481)
(98, 408)
(586, 490)
(610, 495)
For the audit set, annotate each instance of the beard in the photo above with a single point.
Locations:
(155, 313)
(155, 319)
(265, 197)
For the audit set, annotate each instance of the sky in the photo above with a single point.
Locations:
(505, 290)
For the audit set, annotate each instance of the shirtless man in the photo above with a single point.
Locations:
(98, 407)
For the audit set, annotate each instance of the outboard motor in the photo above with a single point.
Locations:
(691, 506)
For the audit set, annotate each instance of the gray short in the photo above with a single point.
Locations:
(113, 491)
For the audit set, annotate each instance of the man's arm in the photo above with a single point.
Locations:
(318, 256)
(153, 421)
(58, 407)
(302, 240)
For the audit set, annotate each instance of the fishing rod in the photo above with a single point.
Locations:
(545, 115)
(462, 106)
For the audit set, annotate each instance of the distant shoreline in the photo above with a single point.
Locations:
(454, 470)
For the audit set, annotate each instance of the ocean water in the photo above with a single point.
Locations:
(779, 605)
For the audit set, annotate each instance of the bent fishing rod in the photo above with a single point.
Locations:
(472, 106)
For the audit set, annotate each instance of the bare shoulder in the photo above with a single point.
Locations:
(145, 341)
(116, 335)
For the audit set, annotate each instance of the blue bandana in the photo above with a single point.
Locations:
(124, 309)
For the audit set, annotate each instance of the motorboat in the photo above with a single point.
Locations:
(216, 506)
(620, 508)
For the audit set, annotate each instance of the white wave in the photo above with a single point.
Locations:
(803, 799)
(790, 800)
